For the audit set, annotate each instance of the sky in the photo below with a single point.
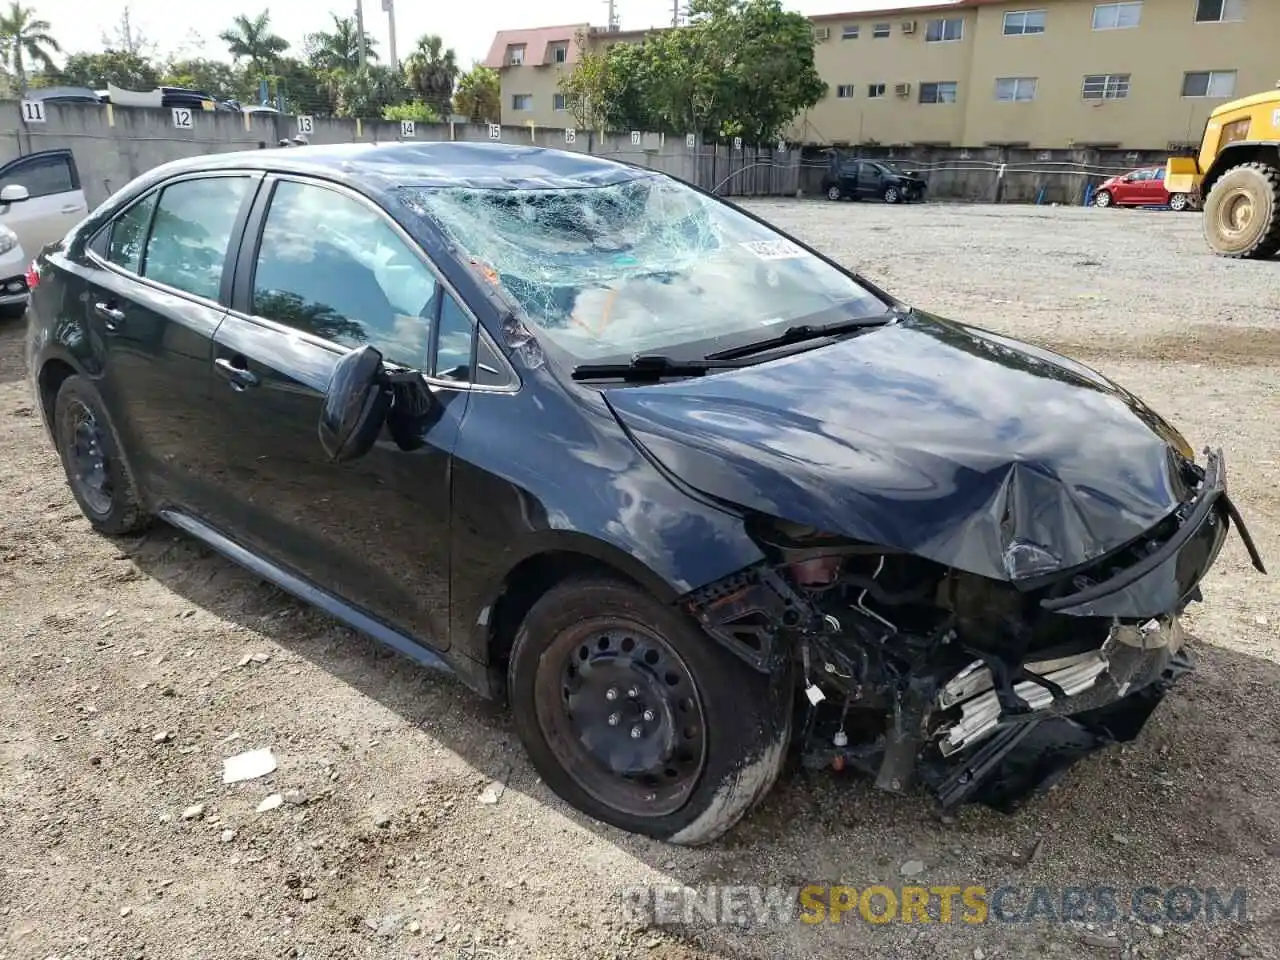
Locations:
(467, 27)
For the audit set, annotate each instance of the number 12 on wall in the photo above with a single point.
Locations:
(183, 118)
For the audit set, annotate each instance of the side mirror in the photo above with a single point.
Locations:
(355, 405)
(14, 193)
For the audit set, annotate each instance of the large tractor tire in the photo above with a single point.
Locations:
(1242, 212)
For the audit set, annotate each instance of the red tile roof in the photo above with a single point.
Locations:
(537, 43)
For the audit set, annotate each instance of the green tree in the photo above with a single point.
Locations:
(367, 93)
(414, 110)
(431, 71)
(214, 77)
(119, 67)
(589, 87)
(304, 89)
(773, 77)
(338, 49)
(740, 68)
(25, 39)
(479, 95)
(250, 38)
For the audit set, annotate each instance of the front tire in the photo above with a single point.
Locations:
(93, 460)
(834, 193)
(634, 716)
(892, 195)
(1103, 199)
(1242, 212)
(1179, 202)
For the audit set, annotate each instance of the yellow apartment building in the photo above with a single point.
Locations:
(1137, 74)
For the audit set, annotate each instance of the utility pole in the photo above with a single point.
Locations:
(613, 14)
(390, 7)
(675, 13)
(361, 59)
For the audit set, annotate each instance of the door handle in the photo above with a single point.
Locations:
(237, 376)
(72, 208)
(111, 314)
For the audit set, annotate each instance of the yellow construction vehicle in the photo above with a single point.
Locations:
(1236, 177)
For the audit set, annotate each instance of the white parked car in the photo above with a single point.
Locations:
(40, 201)
(41, 198)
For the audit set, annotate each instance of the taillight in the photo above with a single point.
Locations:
(33, 276)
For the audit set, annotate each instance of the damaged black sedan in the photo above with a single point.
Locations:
(692, 497)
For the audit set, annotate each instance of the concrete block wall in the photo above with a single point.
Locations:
(114, 145)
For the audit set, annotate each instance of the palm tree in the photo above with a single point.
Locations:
(24, 38)
(339, 50)
(431, 70)
(252, 39)
(479, 95)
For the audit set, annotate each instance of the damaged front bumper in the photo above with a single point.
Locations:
(1078, 705)
(983, 691)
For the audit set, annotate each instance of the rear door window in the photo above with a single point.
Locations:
(191, 231)
(129, 233)
(336, 268)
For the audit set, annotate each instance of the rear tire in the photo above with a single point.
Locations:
(1242, 212)
(834, 193)
(93, 460)
(634, 716)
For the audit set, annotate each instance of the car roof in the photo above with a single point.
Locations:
(381, 167)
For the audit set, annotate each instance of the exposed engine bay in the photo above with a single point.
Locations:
(983, 690)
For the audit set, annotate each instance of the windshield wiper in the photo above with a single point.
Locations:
(801, 332)
(649, 366)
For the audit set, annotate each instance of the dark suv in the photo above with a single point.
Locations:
(863, 179)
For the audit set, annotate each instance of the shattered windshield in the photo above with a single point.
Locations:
(641, 266)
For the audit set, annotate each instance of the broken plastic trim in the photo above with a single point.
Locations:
(1212, 491)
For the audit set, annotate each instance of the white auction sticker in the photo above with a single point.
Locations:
(774, 249)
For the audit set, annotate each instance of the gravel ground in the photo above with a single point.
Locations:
(131, 669)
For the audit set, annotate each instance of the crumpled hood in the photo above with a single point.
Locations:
(952, 443)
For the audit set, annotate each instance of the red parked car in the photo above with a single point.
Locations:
(1140, 188)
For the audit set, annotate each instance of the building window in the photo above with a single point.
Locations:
(522, 101)
(1022, 23)
(944, 30)
(1117, 16)
(1219, 11)
(943, 91)
(1106, 86)
(515, 54)
(1209, 83)
(557, 102)
(844, 91)
(849, 32)
(1016, 89)
(560, 53)
(875, 90)
(880, 31)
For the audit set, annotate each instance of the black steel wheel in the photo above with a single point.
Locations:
(623, 716)
(93, 461)
(636, 717)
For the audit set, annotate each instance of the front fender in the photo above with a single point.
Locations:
(549, 470)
